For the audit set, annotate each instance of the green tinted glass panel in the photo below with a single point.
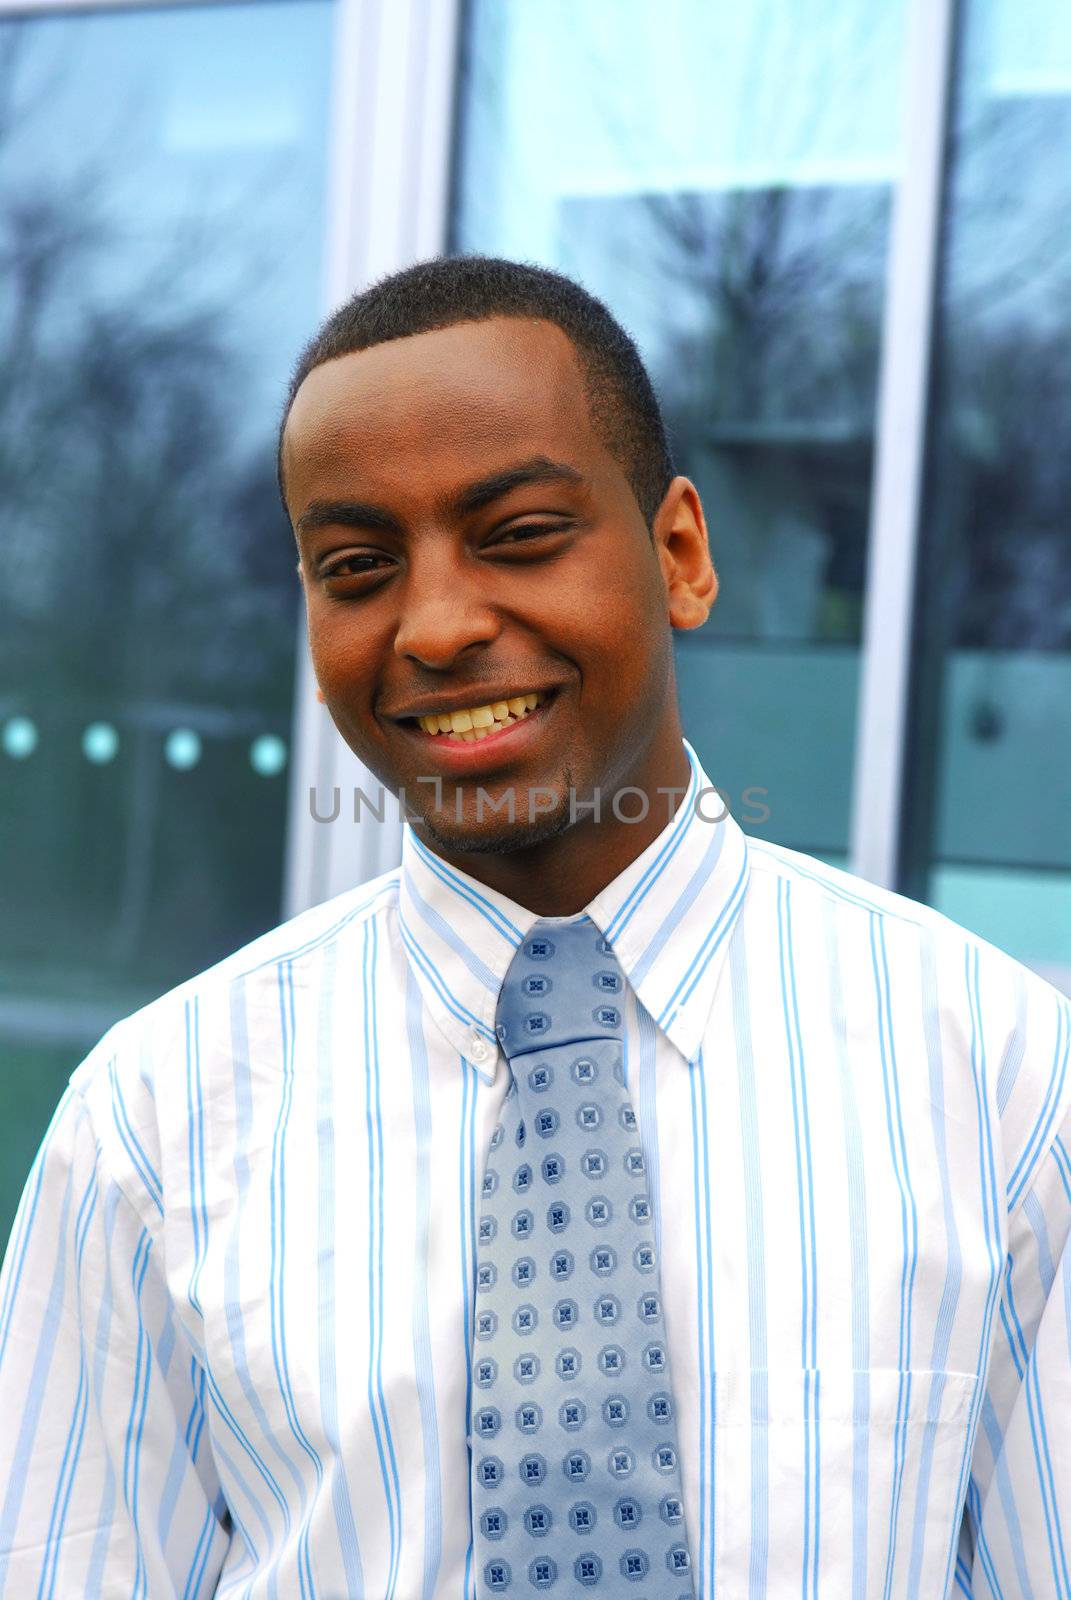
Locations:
(161, 208)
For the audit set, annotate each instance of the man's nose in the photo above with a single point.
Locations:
(444, 613)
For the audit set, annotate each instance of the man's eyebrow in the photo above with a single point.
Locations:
(346, 514)
(540, 469)
(473, 497)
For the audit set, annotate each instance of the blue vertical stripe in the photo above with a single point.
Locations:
(1006, 1494)
(983, 1553)
(990, 1198)
(676, 834)
(327, 1257)
(243, 1493)
(963, 1578)
(277, 1298)
(751, 1145)
(377, 1400)
(723, 925)
(909, 1228)
(464, 1014)
(808, 1252)
(76, 1433)
(138, 1404)
(233, 1291)
(423, 1360)
(950, 1292)
(202, 1550)
(1042, 1131)
(1046, 1479)
(707, 1532)
(195, 1138)
(681, 907)
(139, 1159)
(469, 892)
(101, 1341)
(437, 923)
(860, 1257)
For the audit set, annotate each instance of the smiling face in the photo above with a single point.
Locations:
(467, 541)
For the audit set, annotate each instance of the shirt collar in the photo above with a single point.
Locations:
(668, 916)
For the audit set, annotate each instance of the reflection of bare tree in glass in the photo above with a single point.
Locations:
(1011, 567)
(790, 279)
(777, 259)
(769, 369)
(767, 272)
(1003, 492)
(146, 573)
(123, 493)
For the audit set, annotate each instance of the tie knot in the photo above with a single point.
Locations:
(563, 986)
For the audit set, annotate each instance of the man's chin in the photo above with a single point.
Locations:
(491, 834)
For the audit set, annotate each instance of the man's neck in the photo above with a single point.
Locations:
(560, 876)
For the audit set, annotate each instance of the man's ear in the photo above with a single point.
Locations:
(680, 537)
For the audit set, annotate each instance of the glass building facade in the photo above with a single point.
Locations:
(183, 191)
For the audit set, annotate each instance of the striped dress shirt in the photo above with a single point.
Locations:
(236, 1315)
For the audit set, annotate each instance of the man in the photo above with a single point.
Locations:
(324, 1283)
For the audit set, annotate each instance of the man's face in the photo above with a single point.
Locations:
(466, 541)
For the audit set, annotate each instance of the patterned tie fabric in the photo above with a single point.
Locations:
(575, 1476)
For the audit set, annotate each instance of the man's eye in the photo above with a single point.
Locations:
(351, 566)
(528, 530)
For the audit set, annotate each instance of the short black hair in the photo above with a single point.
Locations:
(625, 413)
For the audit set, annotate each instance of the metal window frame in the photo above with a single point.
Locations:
(900, 444)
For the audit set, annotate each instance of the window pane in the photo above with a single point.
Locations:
(161, 201)
(988, 834)
(722, 176)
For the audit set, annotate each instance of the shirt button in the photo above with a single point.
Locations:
(478, 1049)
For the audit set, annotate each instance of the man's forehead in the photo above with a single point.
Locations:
(503, 372)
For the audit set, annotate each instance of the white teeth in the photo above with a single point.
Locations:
(475, 722)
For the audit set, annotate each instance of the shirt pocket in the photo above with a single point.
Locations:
(842, 1476)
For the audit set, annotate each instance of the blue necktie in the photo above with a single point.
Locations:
(575, 1475)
